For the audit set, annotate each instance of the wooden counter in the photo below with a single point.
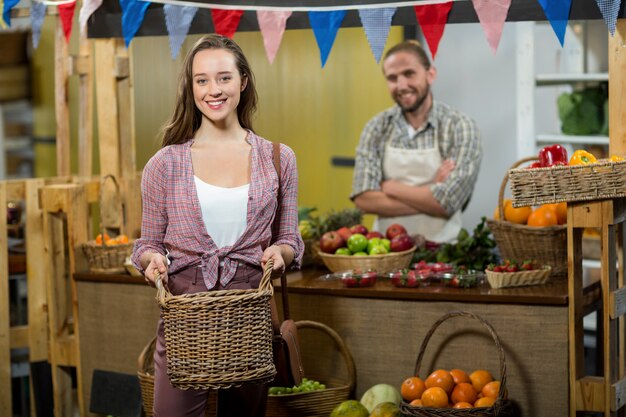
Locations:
(383, 327)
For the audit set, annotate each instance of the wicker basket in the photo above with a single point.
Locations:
(546, 245)
(103, 258)
(322, 402)
(518, 279)
(502, 407)
(218, 339)
(305, 404)
(597, 181)
(379, 263)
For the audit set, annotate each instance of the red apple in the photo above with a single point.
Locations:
(359, 228)
(331, 241)
(401, 242)
(344, 232)
(374, 233)
(395, 230)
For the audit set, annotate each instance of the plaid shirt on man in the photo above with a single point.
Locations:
(455, 134)
(172, 218)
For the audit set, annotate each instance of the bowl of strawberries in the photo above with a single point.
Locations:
(511, 273)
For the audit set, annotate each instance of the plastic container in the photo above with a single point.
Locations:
(464, 279)
(358, 278)
(409, 278)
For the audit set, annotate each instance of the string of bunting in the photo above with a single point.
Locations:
(325, 20)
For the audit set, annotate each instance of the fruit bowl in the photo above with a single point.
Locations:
(519, 278)
(380, 263)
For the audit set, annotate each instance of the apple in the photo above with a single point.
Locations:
(395, 230)
(331, 241)
(401, 243)
(343, 251)
(373, 234)
(359, 228)
(386, 243)
(378, 250)
(344, 232)
(357, 243)
(375, 241)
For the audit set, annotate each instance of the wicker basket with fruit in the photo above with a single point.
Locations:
(511, 274)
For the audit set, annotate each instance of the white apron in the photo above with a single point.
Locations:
(417, 167)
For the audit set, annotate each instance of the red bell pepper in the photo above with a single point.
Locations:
(553, 155)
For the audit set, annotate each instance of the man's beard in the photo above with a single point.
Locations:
(418, 103)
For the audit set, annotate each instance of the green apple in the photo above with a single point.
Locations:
(343, 251)
(379, 249)
(386, 243)
(359, 253)
(357, 243)
(375, 241)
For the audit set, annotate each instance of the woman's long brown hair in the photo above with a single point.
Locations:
(186, 119)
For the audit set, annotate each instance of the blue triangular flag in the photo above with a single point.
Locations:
(6, 12)
(133, 12)
(37, 14)
(178, 20)
(609, 9)
(557, 12)
(325, 26)
(376, 23)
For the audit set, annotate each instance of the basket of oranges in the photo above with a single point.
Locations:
(477, 394)
(524, 233)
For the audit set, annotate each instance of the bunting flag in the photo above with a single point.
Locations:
(37, 14)
(6, 10)
(272, 25)
(432, 19)
(66, 14)
(376, 23)
(86, 10)
(226, 21)
(609, 10)
(325, 26)
(557, 12)
(133, 12)
(492, 15)
(178, 20)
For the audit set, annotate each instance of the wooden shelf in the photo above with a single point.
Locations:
(549, 138)
(571, 78)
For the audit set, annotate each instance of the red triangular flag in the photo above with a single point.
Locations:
(66, 13)
(432, 19)
(226, 21)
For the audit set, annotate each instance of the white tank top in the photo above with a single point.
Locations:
(224, 211)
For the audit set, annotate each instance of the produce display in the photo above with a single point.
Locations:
(111, 241)
(451, 389)
(381, 400)
(305, 385)
(509, 265)
(357, 240)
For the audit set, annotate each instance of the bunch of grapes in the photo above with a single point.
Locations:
(305, 386)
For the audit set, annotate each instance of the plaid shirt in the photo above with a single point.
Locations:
(455, 134)
(172, 219)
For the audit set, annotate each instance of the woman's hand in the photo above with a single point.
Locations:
(156, 266)
(275, 253)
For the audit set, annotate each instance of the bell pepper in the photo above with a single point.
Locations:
(616, 158)
(553, 155)
(582, 157)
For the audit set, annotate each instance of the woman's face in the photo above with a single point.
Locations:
(217, 84)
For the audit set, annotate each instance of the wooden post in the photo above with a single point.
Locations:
(65, 208)
(83, 69)
(61, 107)
(617, 89)
(5, 343)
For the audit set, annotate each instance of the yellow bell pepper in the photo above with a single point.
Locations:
(616, 158)
(581, 157)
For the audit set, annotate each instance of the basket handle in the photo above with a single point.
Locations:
(506, 179)
(339, 343)
(146, 354)
(100, 196)
(163, 293)
(494, 335)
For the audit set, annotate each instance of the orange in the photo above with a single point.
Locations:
(463, 392)
(484, 402)
(561, 213)
(412, 388)
(543, 216)
(121, 239)
(435, 397)
(99, 238)
(491, 389)
(440, 378)
(463, 405)
(459, 375)
(505, 203)
(517, 215)
(416, 403)
(480, 378)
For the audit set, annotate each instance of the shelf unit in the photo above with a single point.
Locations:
(540, 79)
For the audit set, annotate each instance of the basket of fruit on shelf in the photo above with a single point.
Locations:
(357, 248)
(107, 254)
(516, 274)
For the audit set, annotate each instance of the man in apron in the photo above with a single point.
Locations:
(416, 162)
